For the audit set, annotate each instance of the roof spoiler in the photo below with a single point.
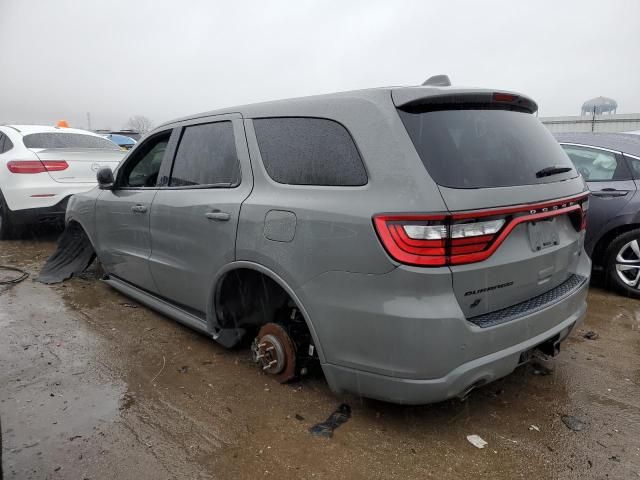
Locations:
(420, 99)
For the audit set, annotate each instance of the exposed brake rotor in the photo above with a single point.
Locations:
(275, 352)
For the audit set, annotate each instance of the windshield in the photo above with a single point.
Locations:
(485, 148)
(67, 140)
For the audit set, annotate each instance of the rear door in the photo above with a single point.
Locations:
(194, 216)
(610, 181)
(501, 175)
(122, 214)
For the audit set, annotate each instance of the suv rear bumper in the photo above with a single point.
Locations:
(49, 215)
(402, 337)
(456, 383)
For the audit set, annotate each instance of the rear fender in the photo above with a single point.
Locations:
(212, 323)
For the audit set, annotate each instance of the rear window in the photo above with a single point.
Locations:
(309, 151)
(67, 140)
(485, 148)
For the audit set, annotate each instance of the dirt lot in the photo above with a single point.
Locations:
(94, 386)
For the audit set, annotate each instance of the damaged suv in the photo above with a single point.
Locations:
(415, 242)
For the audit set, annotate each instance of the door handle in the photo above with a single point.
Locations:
(139, 209)
(218, 215)
(610, 192)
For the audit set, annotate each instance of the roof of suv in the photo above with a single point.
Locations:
(620, 142)
(27, 129)
(401, 95)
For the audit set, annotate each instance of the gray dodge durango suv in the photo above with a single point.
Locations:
(415, 242)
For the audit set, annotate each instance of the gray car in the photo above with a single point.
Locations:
(610, 163)
(415, 242)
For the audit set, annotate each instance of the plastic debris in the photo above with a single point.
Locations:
(534, 427)
(73, 255)
(573, 423)
(477, 441)
(591, 335)
(337, 418)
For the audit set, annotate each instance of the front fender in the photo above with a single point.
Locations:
(81, 209)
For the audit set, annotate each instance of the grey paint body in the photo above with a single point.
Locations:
(614, 204)
(381, 329)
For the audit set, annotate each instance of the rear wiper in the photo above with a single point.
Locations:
(553, 170)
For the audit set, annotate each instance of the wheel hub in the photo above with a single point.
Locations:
(274, 351)
(628, 264)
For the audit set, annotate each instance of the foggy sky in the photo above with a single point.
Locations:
(164, 59)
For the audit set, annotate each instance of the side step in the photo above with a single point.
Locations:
(158, 304)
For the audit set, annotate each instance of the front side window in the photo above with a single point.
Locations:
(309, 151)
(596, 165)
(141, 170)
(206, 156)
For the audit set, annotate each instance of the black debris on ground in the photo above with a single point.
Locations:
(591, 335)
(325, 429)
(74, 253)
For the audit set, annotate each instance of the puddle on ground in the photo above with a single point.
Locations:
(148, 398)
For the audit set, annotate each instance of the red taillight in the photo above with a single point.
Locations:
(438, 240)
(504, 97)
(36, 166)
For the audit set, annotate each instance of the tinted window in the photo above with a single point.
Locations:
(596, 165)
(141, 169)
(309, 151)
(634, 163)
(206, 156)
(66, 140)
(484, 148)
(5, 143)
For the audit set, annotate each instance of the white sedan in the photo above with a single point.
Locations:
(42, 166)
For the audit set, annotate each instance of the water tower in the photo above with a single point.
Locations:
(599, 105)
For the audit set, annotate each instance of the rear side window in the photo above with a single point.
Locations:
(309, 151)
(634, 163)
(597, 165)
(5, 143)
(479, 148)
(206, 156)
(67, 140)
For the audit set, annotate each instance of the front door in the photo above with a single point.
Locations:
(122, 214)
(194, 217)
(609, 181)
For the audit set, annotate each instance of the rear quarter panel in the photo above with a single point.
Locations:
(333, 225)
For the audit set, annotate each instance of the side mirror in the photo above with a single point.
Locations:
(105, 178)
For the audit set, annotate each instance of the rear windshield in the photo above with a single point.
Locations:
(485, 148)
(67, 140)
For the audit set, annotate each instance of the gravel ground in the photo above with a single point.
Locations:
(94, 386)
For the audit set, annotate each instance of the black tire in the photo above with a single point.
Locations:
(622, 263)
(7, 229)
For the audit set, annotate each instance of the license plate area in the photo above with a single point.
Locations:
(543, 234)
